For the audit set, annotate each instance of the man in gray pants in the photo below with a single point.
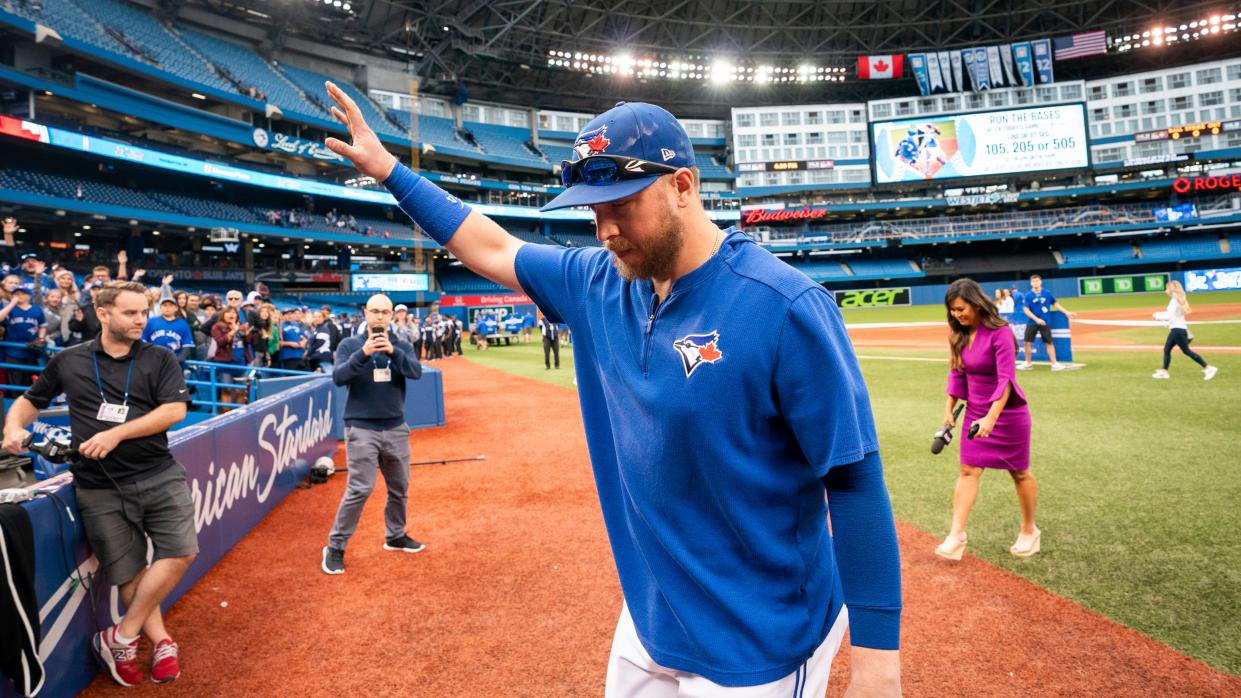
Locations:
(374, 366)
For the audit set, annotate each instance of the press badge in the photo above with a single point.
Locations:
(112, 413)
(383, 375)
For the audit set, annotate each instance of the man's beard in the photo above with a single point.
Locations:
(658, 258)
(119, 335)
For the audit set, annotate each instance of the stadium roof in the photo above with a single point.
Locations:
(498, 49)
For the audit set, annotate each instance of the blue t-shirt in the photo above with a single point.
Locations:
(22, 326)
(290, 332)
(1039, 303)
(174, 334)
(239, 348)
(711, 421)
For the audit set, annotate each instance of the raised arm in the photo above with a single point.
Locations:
(480, 243)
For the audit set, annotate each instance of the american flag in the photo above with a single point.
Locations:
(1078, 45)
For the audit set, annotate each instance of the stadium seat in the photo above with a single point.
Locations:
(248, 69)
(311, 83)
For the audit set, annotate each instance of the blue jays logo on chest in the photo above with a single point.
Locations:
(698, 349)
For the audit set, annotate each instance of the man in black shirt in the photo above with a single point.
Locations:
(123, 395)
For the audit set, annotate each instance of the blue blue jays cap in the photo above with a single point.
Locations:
(630, 130)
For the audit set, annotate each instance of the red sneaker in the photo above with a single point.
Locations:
(164, 664)
(120, 660)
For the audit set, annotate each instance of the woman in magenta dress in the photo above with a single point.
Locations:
(984, 358)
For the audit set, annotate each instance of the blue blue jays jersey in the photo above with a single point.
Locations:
(907, 149)
(174, 334)
(20, 327)
(1039, 303)
(711, 419)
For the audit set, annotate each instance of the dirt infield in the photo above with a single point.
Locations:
(516, 594)
(1085, 335)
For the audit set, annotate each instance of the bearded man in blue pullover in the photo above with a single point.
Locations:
(726, 420)
(374, 365)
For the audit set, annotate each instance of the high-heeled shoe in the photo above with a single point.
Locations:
(952, 548)
(1033, 543)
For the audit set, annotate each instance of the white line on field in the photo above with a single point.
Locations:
(1151, 323)
(903, 358)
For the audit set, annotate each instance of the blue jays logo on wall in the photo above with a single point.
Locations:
(591, 142)
(698, 349)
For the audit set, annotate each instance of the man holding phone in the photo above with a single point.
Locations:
(374, 365)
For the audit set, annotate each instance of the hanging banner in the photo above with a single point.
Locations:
(955, 59)
(994, 70)
(967, 57)
(982, 75)
(945, 69)
(1006, 57)
(932, 69)
(1042, 60)
(917, 61)
(1025, 62)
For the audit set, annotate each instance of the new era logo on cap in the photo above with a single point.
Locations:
(667, 153)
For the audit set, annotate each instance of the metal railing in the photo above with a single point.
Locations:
(207, 375)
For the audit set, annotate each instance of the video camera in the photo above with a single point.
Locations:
(54, 449)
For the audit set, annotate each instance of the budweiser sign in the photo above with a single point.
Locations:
(1184, 185)
(764, 215)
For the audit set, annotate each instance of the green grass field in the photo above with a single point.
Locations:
(1140, 480)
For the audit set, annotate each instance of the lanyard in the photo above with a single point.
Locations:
(98, 381)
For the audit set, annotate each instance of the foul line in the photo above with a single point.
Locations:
(1152, 323)
(902, 358)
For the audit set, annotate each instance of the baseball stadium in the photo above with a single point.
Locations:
(683, 336)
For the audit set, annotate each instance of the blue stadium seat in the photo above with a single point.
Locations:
(460, 280)
(249, 69)
(436, 131)
(72, 21)
(505, 141)
(1098, 256)
(882, 268)
(311, 83)
(708, 169)
(821, 271)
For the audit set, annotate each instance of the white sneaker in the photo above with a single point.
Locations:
(1025, 366)
(1058, 367)
(1209, 372)
(1160, 373)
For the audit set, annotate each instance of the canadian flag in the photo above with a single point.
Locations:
(880, 67)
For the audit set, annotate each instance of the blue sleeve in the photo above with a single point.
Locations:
(867, 556)
(819, 385)
(1051, 299)
(556, 278)
(146, 332)
(41, 316)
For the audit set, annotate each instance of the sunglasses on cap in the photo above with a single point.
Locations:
(602, 170)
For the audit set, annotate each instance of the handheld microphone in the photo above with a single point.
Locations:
(943, 437)
(973, 431)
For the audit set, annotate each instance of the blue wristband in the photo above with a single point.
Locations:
(433, 209)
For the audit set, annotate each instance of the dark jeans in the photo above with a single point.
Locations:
(550, 346)
(1178, 337)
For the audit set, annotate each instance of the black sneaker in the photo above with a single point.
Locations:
(404, 544)
(333, 560)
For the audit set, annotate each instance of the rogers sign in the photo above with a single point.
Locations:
(782, 215)
(1184, 185)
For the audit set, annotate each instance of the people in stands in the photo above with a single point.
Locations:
(23, 324)
(170, 330)
(228, 334)
(58, 315)
(319, 349)
(263, 331)
(35, 277)
(292, 353)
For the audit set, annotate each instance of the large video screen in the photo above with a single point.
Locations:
(1010, 141)
(388, 283)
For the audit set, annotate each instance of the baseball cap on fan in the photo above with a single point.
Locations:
(630, 129)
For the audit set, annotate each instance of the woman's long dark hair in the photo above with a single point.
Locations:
(969, 291)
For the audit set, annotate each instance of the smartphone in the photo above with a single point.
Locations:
(377, 330)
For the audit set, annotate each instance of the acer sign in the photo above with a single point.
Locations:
(872, 298)
(764, 215)
(1184, 185)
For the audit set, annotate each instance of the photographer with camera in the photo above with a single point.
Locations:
(123, 395)
(374, 366)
